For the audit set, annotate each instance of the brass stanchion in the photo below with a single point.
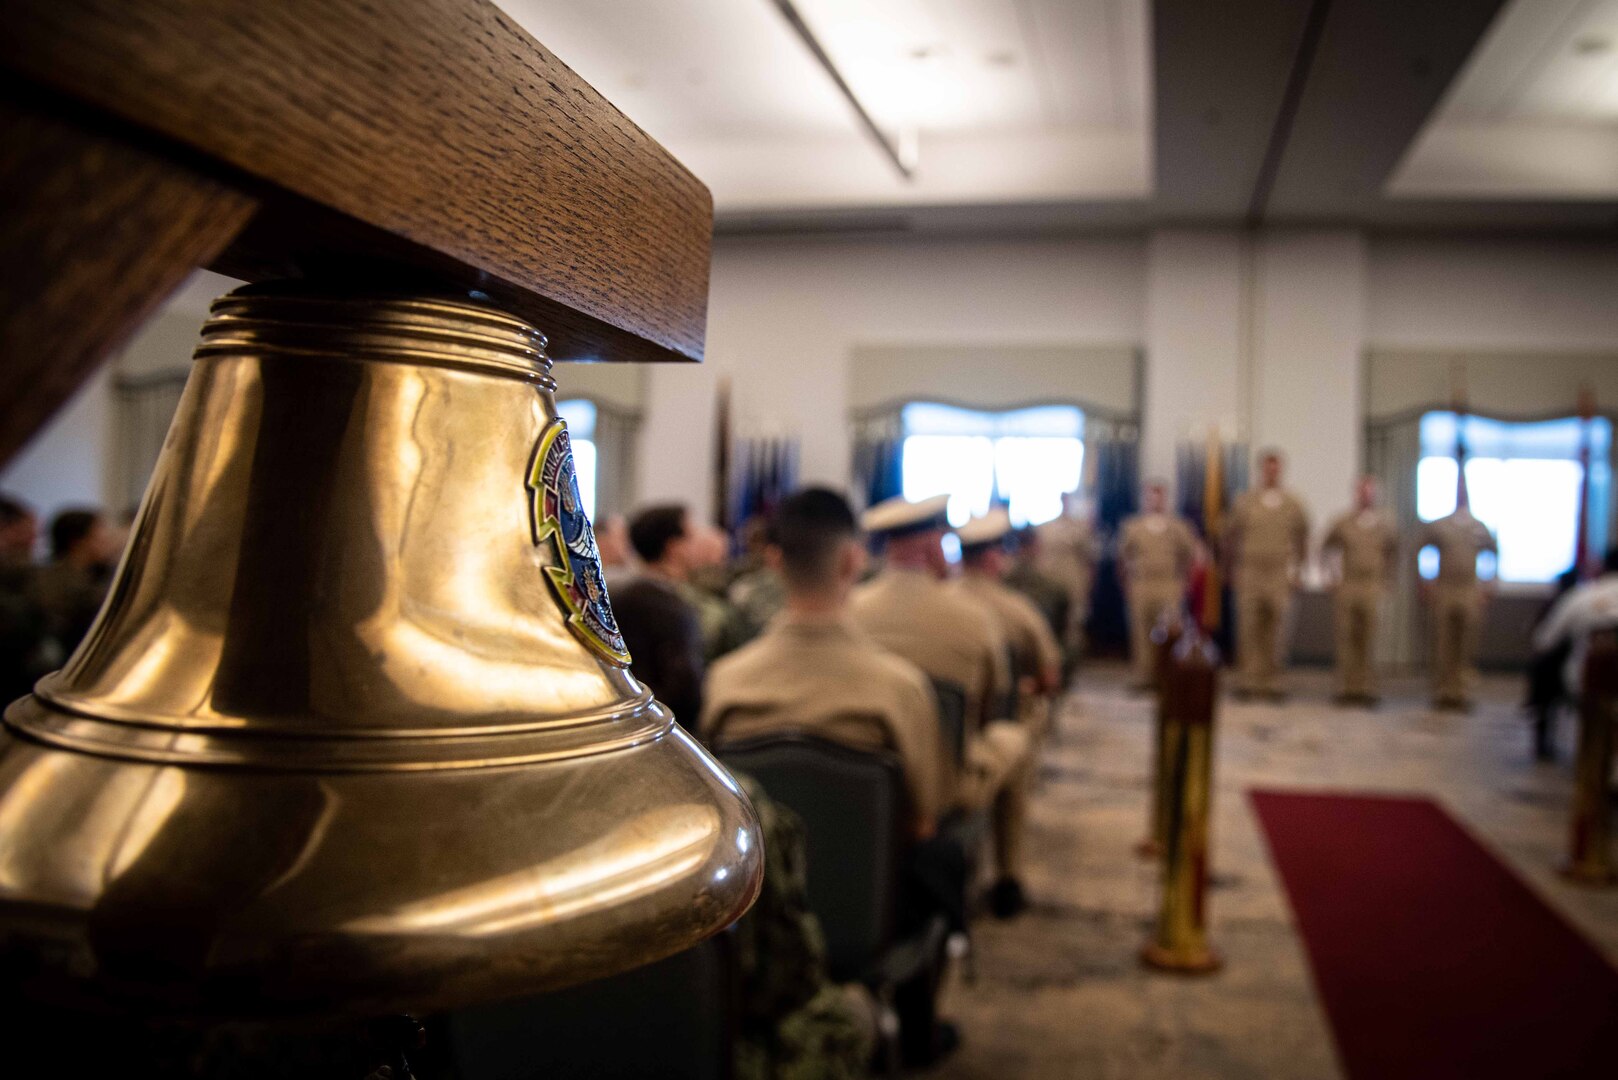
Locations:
(1164, 636)
(1191, 678)
(1590, 859)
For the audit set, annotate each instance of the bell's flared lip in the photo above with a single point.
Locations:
(41, 717)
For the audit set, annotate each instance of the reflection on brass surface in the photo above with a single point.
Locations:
(334, 742)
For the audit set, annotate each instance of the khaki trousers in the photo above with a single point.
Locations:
(998, 772)
(1078, 613)
(1148, 600)
(1263, 604)
(1457, 614)
(1355, 607)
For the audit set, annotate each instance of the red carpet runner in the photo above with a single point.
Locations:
(1432, 959)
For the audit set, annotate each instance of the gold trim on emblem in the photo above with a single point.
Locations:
(547, 526)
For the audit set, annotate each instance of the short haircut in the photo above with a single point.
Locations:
(13, 511)
(655, 528)
(809, 528)
(69, 527)
(1272, 453)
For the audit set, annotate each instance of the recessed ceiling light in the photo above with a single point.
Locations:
(1592, 44)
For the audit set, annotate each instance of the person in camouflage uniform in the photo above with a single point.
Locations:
(758, 596)
(1047, 594)
(796, 1023)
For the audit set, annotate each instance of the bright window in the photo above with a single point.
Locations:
(1523, 481)
(580, 415)
(1027, 458)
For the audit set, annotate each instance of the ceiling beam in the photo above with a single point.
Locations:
(1378, 75)
(1219, 73)
(889, 146)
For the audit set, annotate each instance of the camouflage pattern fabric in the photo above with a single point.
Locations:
(796, 1024)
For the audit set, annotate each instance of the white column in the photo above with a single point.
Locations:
(1193, 341)
(1309, 334)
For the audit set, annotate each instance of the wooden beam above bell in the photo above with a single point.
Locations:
(437, 123)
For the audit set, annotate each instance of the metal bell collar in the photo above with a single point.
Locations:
(354, 730)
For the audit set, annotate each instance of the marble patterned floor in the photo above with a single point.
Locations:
(1059, 993)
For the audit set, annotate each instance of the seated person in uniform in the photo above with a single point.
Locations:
(1023, 574)
(71, 588)
(661, 628)
(910, 611)
(1035, 655)
(618, 562)
(24, 656)
(813, 672)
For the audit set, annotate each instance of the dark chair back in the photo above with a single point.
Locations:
(676, 1018)
(1017, 664)
(952, 716)
(853, 807)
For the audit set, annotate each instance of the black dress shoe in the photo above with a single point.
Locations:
(1007, 899)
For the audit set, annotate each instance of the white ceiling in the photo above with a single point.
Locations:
(1533, 115)
(1008, 100)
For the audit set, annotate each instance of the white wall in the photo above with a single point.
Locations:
(1309, 338)
(1194, 334)
(69, 463)
(1492, 294)
(66, 463)
(1261, 335)
(1258, 336)
(784, 316)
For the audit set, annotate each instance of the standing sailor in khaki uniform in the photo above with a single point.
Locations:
(1068, 553)
(1266, 542)
(1036, 657)
(1363, 548)
(1155, 549)
(1455, 601)
(910, 611)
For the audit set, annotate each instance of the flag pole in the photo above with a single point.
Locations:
(1458, 396)
(1581, 536)
(1213, 488)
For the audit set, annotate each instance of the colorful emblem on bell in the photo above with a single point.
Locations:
(558, 516)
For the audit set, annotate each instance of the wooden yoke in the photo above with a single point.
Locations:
(423, 142)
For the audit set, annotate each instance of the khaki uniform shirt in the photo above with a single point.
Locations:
(1368, 544)
(1268, 532)
(826, 678)
(1157, 549)
(1459, 538)
(1068, 552)
(1020, 622)
(952, 639)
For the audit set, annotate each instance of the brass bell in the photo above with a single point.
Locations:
(354, 731)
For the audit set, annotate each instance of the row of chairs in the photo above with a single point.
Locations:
(683, 1011)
